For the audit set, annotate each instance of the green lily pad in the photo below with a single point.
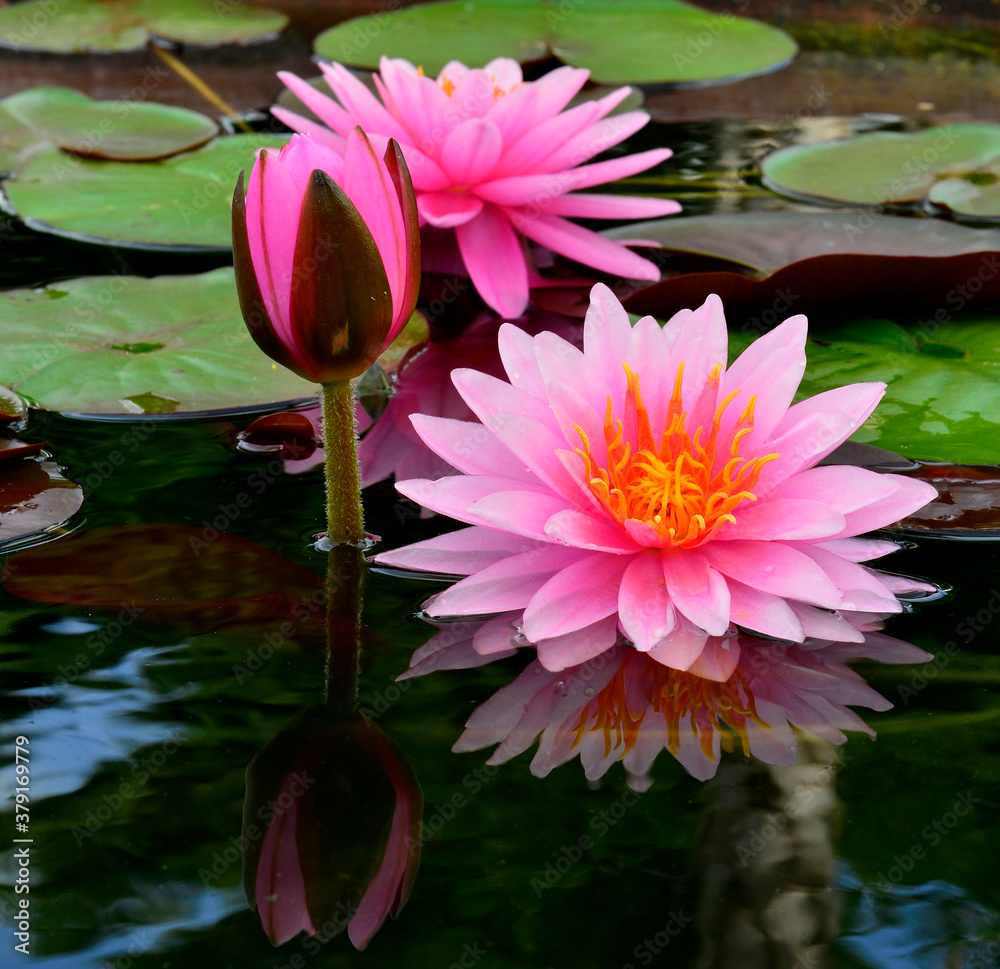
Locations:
(973, 198)
(943, 396)
(885, 168)
(654, 41)
(127, 345)
(179, 203)
(120, 130)
(113, 26)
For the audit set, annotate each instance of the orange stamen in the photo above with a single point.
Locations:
(685, 488)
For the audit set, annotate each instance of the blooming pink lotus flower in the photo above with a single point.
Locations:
(641, 487)
(623, 705)
(496, 160)
(327, 255)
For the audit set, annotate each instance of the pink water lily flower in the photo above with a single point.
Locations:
(624, 706)
(640, 487)
(496, 161)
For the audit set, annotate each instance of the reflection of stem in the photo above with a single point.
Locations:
(200, 86)
(344, 516)
(344, 577)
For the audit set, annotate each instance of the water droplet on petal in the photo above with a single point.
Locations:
(561, 688)
(590, 691)
(768, 568)
(515, 375)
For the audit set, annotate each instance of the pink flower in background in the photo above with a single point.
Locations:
(623, 705)
(496, 160)
(640, 487)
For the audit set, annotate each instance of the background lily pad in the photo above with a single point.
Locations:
(943, 397)
(884, 168)
(655, 41)
(816, 263)
(35, 496)
(84, 26)
(181, 202)
(127, 345)
(974, 198)
(120, 130)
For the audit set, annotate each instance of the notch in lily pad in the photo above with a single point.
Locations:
(96, 26)
(656, 42)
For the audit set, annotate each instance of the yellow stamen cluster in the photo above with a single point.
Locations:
(676, 485)
(676, 696)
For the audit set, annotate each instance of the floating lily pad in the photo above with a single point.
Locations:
(655, 41)
(974, 198)
(968, 501)
(35, 496)
(884, 168)
(113, 26)
(180, 203)
(126, 345)
(817, 263)
(12, 449)
(943, 397)
(120, 130)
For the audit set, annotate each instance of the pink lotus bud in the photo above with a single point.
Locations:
(327, 255)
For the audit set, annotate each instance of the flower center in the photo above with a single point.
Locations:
(685, 701)
(685, 488)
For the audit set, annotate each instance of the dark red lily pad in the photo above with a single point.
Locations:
(12, 449)
(288, 435)
(798, 262)
(33, 497)
(968, 502)
(174, 573)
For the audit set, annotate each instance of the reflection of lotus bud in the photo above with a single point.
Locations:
(329, 829)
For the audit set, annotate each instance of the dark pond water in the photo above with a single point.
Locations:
(142, 717)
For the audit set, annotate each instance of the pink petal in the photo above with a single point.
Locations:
(717, 660)
(494, 258)
(597, 138)
(861, 587)
(823, 625)
(361, 104)
(680, 649)
(701, 343)
(471, 151)
(580, 244)
(310, 127)
(470, 447)
(448, 209)
(517, 352)
(579, 646)
(696, 590)
(556, 89)
(369, 187)
(577, 528)
(577, 596)
(644, 608)
(910, 495)
(843, 488)
(774, 567)
(764, 613)
(784, 518)
(457, 553)
(616, 168)
(506, 585)
(860, 549)
(454, 496)
(591, 206)
(321, 105)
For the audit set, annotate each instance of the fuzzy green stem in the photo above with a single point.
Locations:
(344, 578)
(344, 516)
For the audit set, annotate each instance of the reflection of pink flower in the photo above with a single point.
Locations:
(622, 705)
(340, 809)
(495, 160)
(670, 514)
